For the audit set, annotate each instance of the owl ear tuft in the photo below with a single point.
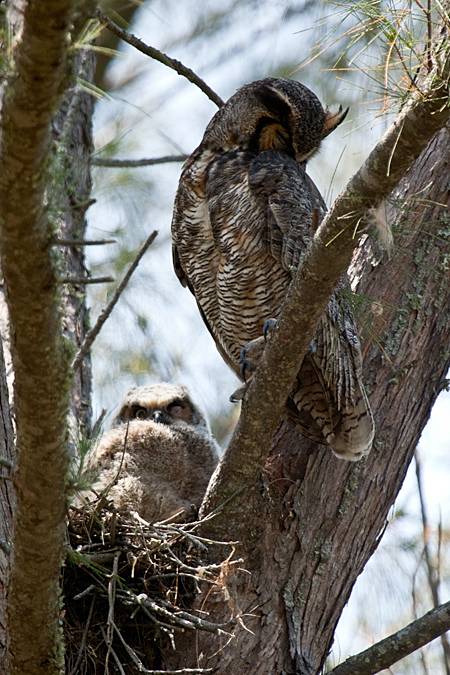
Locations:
(272, 99)
(333, 120)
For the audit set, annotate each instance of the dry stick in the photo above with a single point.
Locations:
(120, 163)
(83, 281)
(114, 655)
(83, 639)
(83, 242)
(385, 653)
(85, 592)
(92, 334)
(111, 600)
(178, 617)
(134, 657)
(130, 651)
(159, 56)
(202, 623)
(433, 577)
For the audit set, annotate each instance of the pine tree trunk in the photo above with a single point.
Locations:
(68, 193)
(72, 131)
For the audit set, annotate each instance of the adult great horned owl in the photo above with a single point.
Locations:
(160, 455)
(243, 217)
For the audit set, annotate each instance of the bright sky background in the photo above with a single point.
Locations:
(160, 113)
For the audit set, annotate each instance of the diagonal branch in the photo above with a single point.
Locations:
(385, 653)
(90, 337)
(325, 261)
(161, 57)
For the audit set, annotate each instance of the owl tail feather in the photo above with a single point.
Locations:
(353, 436)
(313, 411)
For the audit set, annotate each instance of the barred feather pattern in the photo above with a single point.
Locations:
(242, 221)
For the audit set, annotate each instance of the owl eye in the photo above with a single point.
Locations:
(180, 410)
(140, 413)
(176, 408)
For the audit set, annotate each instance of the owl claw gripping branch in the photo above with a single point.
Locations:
(244, 214)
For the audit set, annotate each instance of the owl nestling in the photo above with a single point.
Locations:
(160, 454)
(243, 217)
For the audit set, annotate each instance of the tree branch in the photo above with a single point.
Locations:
(159, 56)
(385, 653)
(81, 243)
(85, 281)
(121, 163)
(39, 355)
(90, 337)
(325, 261)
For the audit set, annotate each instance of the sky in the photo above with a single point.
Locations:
(155, 112)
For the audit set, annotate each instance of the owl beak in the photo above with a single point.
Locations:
(157, 416)
(333, 120)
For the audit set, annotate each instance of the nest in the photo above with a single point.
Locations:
(128, 586)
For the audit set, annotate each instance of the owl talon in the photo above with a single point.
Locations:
(239, 394)
(268, 328)
(250, 355)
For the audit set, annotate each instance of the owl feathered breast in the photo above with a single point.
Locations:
(242, 221)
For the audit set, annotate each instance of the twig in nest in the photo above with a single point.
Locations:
(177, 616)
(83, 639)
(114, 655)
(201, 623)
(156, 551)
(111, 600)
(134, 657)
(83, 593)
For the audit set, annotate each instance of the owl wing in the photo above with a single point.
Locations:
(328, 401)
(194, 250)
(291, 198)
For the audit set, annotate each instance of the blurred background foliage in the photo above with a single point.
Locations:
(365, 55)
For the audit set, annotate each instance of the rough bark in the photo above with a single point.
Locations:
(39, 353)
(68, 193)
(72, 134)
(309, 522)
